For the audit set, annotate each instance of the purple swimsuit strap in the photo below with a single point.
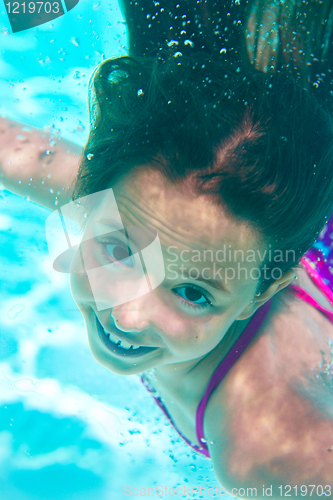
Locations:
(161, 405)
(223, 368)
(302, 294)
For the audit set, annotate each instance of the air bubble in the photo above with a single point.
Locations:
(15, 311)
(75, 41)
(172, 43)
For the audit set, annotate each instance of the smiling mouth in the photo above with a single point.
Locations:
(119, 347)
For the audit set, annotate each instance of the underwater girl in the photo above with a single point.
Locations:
(232, 169)
(222, 163)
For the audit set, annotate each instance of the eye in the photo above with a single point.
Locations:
(119, 252)
(192, 297)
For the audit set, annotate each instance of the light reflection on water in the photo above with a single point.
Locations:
(68, 427)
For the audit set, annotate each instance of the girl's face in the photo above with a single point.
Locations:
(206, 286)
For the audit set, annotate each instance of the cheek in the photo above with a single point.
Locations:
(201, 335)
(80, 287)
(78, 280)
(180, 329)
(191, 334)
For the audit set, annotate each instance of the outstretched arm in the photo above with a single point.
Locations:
(34, 165)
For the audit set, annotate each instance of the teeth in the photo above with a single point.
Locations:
(121, 343)
(113, 338)
(124, 344)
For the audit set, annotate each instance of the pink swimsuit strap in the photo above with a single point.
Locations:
(225, 365)
(166, 413)
(317, 278)
(302, 294)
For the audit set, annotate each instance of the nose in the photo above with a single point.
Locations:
(134, 316)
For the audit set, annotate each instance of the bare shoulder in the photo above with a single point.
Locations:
(271, 422)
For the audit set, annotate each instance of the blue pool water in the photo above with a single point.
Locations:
(69, 428)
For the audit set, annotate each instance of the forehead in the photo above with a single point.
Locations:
(146, 197)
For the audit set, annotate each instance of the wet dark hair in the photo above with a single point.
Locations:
(258, 143)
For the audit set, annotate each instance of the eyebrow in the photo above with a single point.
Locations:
(111, 223)
(217, 284)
